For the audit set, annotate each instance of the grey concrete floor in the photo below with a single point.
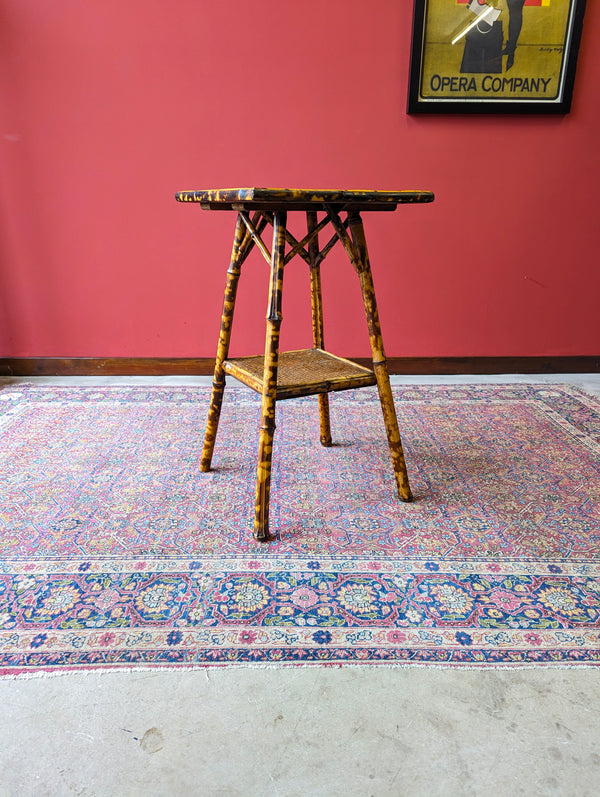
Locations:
(305, 731)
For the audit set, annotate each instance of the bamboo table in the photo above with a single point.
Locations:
(278, 376)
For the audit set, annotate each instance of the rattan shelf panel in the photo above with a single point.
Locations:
(302, 373)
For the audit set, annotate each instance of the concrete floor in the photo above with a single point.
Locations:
(305, 731)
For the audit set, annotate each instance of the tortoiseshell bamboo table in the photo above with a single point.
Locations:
(283, 375)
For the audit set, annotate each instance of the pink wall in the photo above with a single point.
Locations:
(110, 107)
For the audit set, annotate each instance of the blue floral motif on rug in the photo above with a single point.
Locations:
(116, 552)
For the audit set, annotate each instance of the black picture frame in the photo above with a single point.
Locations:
(446, 79)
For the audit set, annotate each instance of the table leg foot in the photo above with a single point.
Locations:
(324, 420)
(393, 433)
(212, 425)
(263, 478)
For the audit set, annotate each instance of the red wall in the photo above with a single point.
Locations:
(110, 106)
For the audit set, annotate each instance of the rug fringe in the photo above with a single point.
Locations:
(207, 669)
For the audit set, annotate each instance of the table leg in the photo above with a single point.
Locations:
(379, 362)
(269, 389)
(242, 244)
(317, 320)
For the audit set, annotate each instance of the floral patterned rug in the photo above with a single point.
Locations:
(116, 552)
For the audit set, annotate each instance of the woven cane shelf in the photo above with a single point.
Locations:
(302, 373)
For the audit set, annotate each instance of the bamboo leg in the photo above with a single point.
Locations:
(269, 391)
(242, 244)
(379, 363)
(317, 320)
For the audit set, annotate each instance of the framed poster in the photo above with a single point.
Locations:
(494, 56)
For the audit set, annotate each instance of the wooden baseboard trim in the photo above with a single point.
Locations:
(106, 366)
(491, 365)
(173, 366)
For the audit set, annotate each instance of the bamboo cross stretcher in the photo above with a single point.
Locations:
(281, 375)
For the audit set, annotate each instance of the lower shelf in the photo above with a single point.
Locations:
(302, 373)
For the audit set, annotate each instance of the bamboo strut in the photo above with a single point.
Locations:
(289, 238)
(316, 299)
(269, 388)
(242, 245)
(256, 236)
(313, 232)
(328, 247)
(298, 247)
(379, 364)
(342, 234)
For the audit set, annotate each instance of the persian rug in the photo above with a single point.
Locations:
(116, 552)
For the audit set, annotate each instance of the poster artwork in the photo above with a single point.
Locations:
(495, 50)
